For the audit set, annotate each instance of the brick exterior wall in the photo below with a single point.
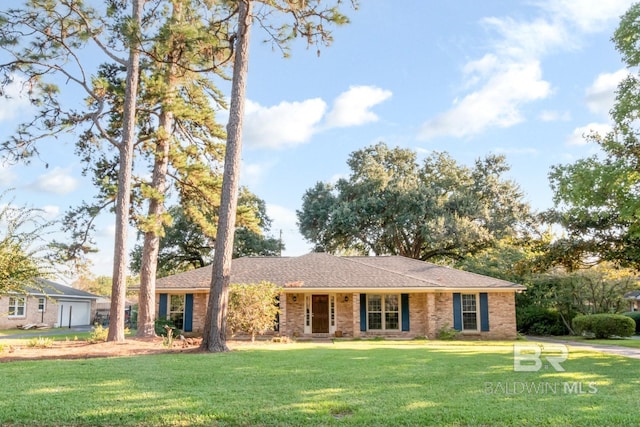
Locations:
(502, 316)
(32, 315)
(429, 312)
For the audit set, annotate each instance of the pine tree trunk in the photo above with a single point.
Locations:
(214, 337)
(151, 245)
(123, 201)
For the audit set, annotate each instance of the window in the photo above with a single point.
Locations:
(307, 309)
(469, 312)
(42, 305)
(17, 307)
(383, 312)
(176, 310)
(332, 310)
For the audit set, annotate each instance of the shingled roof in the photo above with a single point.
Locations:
(56, 290)
(325, 272)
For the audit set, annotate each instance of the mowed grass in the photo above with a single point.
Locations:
(346, 383)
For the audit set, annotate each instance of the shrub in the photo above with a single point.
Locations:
(98, 334)
(40, 342)
(163, 325)
(604, 325)
(447, 333)
(635, 315)
(535, 320)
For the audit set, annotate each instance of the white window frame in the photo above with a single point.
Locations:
(476, 311)
(42, 304)
(383, 311)
(184, 306)
(15, 306)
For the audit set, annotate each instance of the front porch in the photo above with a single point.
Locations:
(353, 315)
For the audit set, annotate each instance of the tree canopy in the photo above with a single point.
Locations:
(597, 199)
(391, 204)
(24, 253)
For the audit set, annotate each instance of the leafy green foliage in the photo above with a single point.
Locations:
(604, 325)
(535, 320)
(98, 334)
(40, 342)
(390, 204)
(596, 199)
(24, 257)
(252, 308)
(635, 315)
(186, 246)
(163, 326)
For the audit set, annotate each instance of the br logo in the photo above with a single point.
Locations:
(530, 357)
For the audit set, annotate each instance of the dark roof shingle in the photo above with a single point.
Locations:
(324, 271)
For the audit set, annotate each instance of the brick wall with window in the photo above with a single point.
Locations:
(14, 314)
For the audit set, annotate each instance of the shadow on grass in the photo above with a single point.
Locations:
(370, 384)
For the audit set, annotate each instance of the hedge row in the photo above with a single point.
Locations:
(635, 315)
(604, 325)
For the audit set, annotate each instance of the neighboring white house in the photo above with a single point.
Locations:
(52, 304)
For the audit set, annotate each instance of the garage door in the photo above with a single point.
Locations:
(74, 313)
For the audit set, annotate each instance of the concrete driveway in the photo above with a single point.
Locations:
(608, 349)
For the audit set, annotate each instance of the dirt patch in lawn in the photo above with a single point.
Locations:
(85, 350)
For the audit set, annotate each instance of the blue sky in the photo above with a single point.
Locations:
(521, 78)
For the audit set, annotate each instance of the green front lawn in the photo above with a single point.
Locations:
(352, 383)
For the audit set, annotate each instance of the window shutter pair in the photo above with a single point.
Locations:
(484, 311)
(404, 303)
(188, 310)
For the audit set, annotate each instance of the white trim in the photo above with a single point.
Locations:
(16, 306)
(383, 311)
(44, 304)
(477, 303)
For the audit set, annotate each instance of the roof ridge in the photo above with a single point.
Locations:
(397, 273)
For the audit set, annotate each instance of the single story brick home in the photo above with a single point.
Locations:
(50, 304)
(356, 296)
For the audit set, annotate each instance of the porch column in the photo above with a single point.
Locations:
(283, 315)
(355, 298)
(431, 315)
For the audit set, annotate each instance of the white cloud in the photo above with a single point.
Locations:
(601, 95)
(284, 125)
(578, 136)
(588, 15)
(352, 108)
(517, 151)
(7, 177)
(492, 96)
(51, 211)
(555, 116)
(14, 102)
(252, 174)
(285, 221)
(496, 104)
(58, 181)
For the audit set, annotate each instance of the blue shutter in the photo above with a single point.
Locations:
(188, 313)
(457, 312)
(162, 312)
(484, 312)
(404, 302)
(363, 312)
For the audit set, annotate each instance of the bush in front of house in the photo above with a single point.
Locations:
(163, 325)
(604, 325)
(635, 315)
(535, 320)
